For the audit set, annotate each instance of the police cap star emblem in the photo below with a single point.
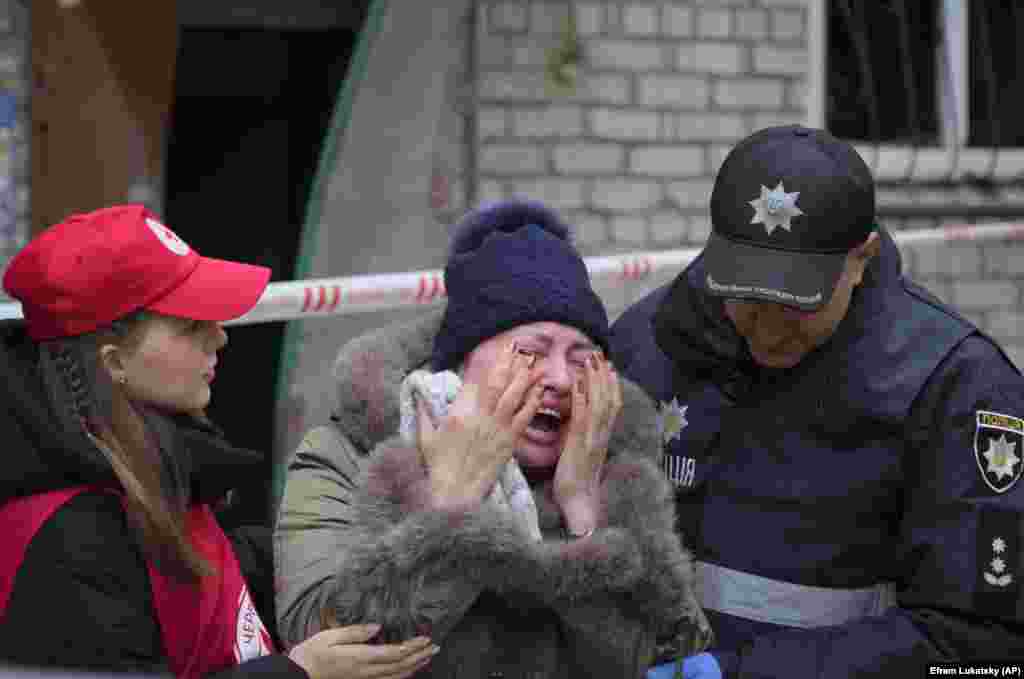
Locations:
(775, 208)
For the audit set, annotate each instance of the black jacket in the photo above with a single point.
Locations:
(864, 464)
(82, 596)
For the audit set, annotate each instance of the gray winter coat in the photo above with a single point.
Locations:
(356, 542)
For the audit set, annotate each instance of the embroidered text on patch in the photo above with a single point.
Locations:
(781, 296)
(998, 446)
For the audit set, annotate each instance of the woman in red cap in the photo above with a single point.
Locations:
(113, 557)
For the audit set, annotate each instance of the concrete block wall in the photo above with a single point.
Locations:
(983, 281)
(664, 90)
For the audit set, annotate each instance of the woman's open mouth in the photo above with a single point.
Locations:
(545, 427)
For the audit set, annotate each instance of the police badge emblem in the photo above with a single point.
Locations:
(671, 420)
(998, 447)
(775, 208)
(681, 470)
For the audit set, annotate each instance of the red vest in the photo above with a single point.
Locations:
(206, 627)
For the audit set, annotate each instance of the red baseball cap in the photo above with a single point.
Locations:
(93, 268)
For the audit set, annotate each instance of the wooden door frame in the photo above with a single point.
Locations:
(102, 88)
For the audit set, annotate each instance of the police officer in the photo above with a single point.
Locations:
(846, 449)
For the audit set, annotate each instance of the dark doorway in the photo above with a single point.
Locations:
(251, 108)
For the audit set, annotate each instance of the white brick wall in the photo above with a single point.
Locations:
(559, 193)
(547, 17)
(669, 229)
(640, 20)
(606, 88)
(1005, 261)
(714, 23)
(710, 126)
(512, 86)
(628, 55)
(749, 93)
(624, 124)
(589, 18)
(629, 230)
(508, 16)
(589, 228)
(667, 161)
(700, 228)
(1007, 324)
(677, 21)
(492, 122)
(716, 154)
(665, 89)
(692, 193)
(672, 91)
(762, 119)
(623, 195)
(796, 94)
(751, 24)
(589, 158)
(971, 295)
(780, 60)
(960, 261)
(511, 159)
(787, 24)
(713, 57)
(549, 121)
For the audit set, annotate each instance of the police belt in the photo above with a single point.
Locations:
(753, 597)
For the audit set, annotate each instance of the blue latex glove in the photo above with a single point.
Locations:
(700, 666)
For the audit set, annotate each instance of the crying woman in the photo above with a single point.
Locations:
(489, 480)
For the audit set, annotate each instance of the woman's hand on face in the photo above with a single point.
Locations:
(596, 401)
(467, 449)
(343, 653)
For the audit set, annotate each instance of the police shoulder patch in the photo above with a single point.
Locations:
(998, 448)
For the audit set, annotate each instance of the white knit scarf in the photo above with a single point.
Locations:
(511, 492)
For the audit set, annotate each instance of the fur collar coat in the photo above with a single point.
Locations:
(357, 542)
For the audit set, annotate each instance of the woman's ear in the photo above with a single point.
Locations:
(112, 359)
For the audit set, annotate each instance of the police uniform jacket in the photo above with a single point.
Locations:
(858, 514)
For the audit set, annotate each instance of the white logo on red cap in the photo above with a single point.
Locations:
(168, 237)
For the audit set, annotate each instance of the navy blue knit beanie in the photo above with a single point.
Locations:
(512, 263)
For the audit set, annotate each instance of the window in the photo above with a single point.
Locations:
(996, 58)
(930, 89)
(882, 71)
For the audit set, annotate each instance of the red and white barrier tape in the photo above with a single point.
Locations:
(353, 294)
